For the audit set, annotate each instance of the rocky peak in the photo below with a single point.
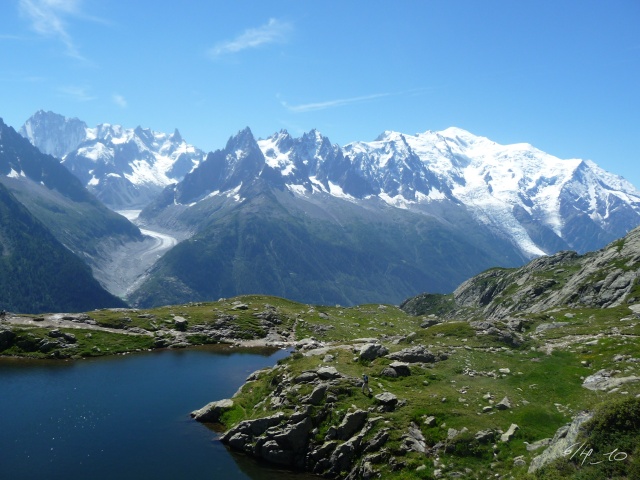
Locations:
(54, 134)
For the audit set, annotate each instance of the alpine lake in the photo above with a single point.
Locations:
(124, 417)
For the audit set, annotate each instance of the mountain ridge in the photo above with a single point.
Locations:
(123, 167)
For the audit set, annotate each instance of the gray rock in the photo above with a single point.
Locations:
(67, 337)
(413, 440)
(306, 377)
(342, 456)
(212, 412)
(510, 433)
(519, 461)
(484, 436)
(387, 401)
(504, 404)
(351, 423)
(371, 351)
(45, 346)
(308, 344)
(416, 354)
(239, 441)
(324, 450)
(328, 373)
(6, 338)
(389, 372)
(539, 444)
(272, 452)
(316, 396)
(254, 427)
(430, 421)
(378, 440)
(295, 437)
(430, 322)
(401, 368)
(604, 380)
(564, 438)
(180, 323)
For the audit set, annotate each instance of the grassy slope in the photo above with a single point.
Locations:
(544, 388)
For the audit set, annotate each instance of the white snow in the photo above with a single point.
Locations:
(274, 157)
(14, 174)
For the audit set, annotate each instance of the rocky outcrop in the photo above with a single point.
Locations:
(212, 412)
(564, 438)
(292, 439)
(606, 380)
(601, 279)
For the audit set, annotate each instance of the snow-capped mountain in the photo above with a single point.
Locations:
(125, 168)
(312, 221)
(540, 202)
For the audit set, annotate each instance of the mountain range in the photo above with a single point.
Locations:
(375, 220)
(319, 223)
(124, 168)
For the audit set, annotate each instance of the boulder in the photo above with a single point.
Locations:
(212, 412)
(504, 404)
(323, 451)
(180, 323)
(387, 401)
(509, 434)
(371, 351)
(416, 354)
(306, 377)
(328, 373)
(484, 436)
(67, 337)
(401, 368)
(389, 372)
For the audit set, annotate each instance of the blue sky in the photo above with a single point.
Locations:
(561, 75)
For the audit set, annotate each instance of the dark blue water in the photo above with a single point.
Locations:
(122, 417)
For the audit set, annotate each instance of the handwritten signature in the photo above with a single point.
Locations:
(585, 452)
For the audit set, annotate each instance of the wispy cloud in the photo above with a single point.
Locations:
(274, 31)
(49, 19)
(80, 94)
(310, 107)
(119, 100)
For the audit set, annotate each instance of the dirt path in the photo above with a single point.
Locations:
(56, 320)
